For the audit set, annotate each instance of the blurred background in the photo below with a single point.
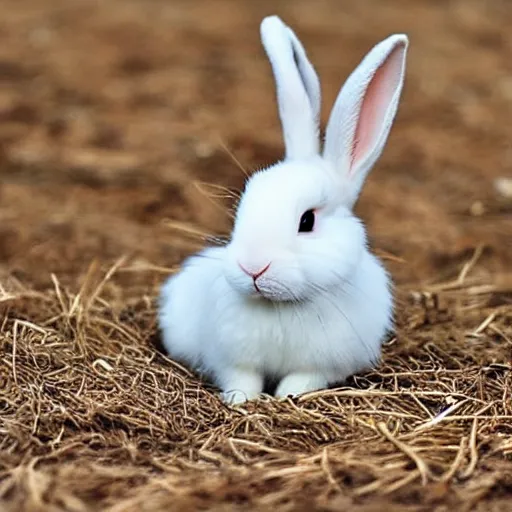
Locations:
(112, 112)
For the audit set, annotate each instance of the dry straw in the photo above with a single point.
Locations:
(94, 417)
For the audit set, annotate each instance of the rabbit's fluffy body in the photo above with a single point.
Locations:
(328, 304)
(306, 307)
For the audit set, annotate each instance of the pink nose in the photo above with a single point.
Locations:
(257, 274)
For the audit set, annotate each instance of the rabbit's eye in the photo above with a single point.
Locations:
(307, 222)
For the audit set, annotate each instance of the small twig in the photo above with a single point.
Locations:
(59, 293)
(407, 450)
(485, 324)
(473, 451)
(501, 333)
(407, 479)
(107, 277)
(14, 345)
(456, 462)
(324, 463)
(470, 264)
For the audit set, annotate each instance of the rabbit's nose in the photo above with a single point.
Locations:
(254, 275)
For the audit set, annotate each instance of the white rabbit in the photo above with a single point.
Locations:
(295, 296)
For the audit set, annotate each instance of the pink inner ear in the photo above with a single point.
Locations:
(377, 96)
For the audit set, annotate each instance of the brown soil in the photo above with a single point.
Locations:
(112, 115)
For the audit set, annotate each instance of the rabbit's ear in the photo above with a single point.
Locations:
(364, 112)
(298, 88)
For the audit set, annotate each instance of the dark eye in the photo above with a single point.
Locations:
(307, 222)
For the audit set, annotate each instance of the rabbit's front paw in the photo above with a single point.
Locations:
(299, 383)
(240, 385)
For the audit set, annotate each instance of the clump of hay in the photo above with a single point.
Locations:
(95, 417)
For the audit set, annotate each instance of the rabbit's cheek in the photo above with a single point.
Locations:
(239, 282)
(281, 285)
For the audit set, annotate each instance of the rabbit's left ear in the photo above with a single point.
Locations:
(364, 111)
(298, 88)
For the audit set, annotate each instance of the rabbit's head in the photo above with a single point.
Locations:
(295, 234)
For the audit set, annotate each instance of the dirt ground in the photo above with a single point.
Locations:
(117, 117)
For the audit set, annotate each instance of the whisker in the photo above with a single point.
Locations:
(211, 197)
(235, 159)
(228, 193)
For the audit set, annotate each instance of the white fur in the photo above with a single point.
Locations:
(298, 88)
(321, 309)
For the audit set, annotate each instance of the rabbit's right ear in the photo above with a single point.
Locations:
(298, 88)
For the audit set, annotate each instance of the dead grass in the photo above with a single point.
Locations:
(95, 417)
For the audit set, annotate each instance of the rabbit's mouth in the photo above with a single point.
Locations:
(272, 292)
(264, 281)
(266, 295)
(258, 291)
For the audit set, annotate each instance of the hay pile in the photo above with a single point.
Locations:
(94, 417)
